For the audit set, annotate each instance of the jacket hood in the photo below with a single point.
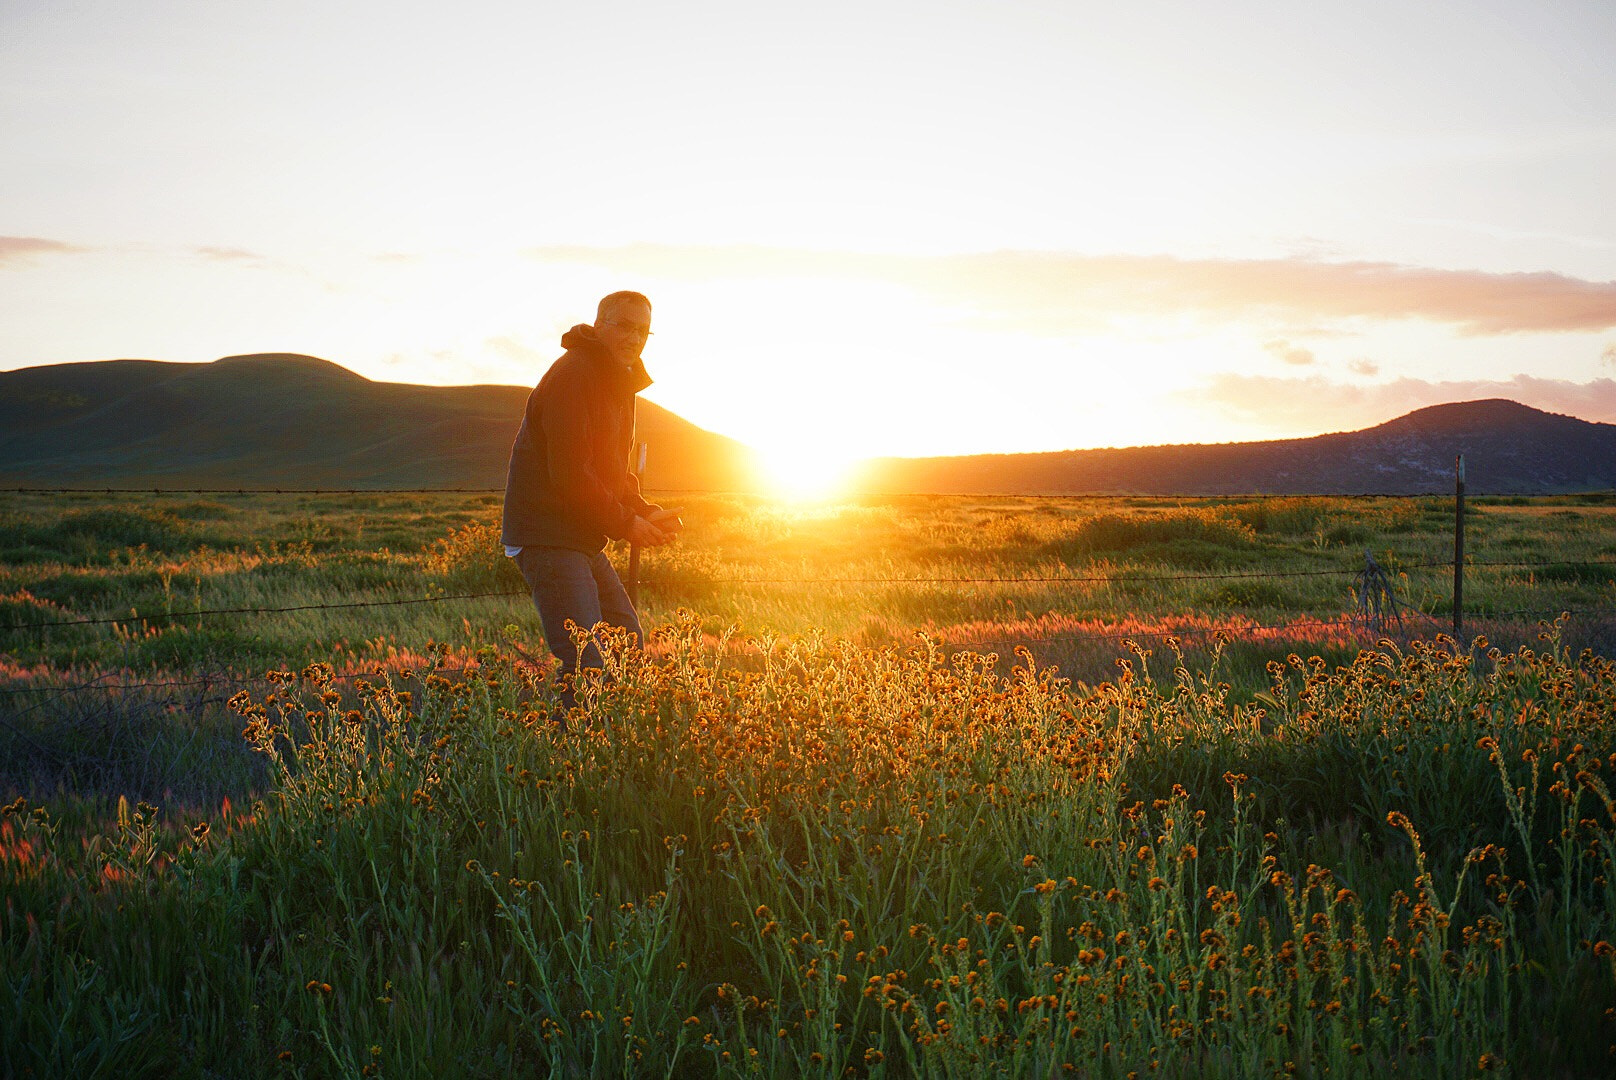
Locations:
(581, 338)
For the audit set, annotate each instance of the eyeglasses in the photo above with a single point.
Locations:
(632, 328)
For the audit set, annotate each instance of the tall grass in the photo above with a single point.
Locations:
(877, 569)
(977, 787)
(1069, 578)
(832, 859)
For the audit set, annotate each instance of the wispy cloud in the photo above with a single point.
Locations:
(1062, 292)
(1294, 355)
(512, 347)
(1502, 232)
(1315, 403)
(229, 254)
(1363, 366)
(17, 249)
(1476, 302)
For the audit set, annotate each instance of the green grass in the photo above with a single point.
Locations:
(790, 851)
(1070, 578)
(836, 857)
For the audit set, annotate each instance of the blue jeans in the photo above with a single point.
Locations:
(568, 584)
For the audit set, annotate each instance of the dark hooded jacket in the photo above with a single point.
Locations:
(569, 483)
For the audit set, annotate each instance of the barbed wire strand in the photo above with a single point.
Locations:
(1341, 622)
(1123, 578)
(1120, 577)
(1349, 621)
(224, 680)
(1246, 495)
(250, 491)
(203, 612)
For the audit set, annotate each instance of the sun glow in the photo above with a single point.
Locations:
(803, 472)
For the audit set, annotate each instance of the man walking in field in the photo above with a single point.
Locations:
(569, 487)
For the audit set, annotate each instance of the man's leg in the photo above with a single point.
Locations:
(563, 584)
(615, 608)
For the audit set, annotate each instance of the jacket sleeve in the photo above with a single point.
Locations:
(564, 420)
(634, 500)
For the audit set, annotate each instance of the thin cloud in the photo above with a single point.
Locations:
(1294, 355)
(1363, 366)
(512, 348)
(1501, 232)
(18, 249)
(1312, 404)
(1477, 302)
(1608, 357)
(1060, 292)
(229, 254)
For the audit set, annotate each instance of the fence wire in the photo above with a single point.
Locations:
(198, 613)
(1341, 622)
(222, 680)
(1122, 578)
(249, 491)
(1246, 495)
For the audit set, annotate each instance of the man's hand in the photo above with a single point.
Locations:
(644, 534)
(668, 520)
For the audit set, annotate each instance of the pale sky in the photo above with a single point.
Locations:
(867, 228)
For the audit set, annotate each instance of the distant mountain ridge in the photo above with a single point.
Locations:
(289, 420)
(1509, 449)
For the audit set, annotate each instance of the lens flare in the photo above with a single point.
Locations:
(803, 472)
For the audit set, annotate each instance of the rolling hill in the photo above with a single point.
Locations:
(1509, 448)
(286, 420)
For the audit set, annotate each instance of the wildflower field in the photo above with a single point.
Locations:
(905, 787)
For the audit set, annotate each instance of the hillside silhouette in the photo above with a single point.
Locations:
(287, 420)
(1509, 449)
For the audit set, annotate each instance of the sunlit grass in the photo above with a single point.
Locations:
(842, 814)
(836, 857)
(1069, 578)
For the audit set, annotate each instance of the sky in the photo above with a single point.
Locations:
(868, 228)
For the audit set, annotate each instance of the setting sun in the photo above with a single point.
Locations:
(802, 472)
(1041, 227)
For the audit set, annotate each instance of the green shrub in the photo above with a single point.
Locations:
(1576, 573)
(1348, 533)
(92, 536)
(1248, 593)
(473, 559)
(23, 608)
(203, 510)
(1282, 517)
(1116, 533)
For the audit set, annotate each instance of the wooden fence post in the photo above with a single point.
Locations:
(633, 583)
(1458, 546)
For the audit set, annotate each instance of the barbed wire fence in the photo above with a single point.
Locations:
(703, 491)
(1373, 589)
(1372, 613)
